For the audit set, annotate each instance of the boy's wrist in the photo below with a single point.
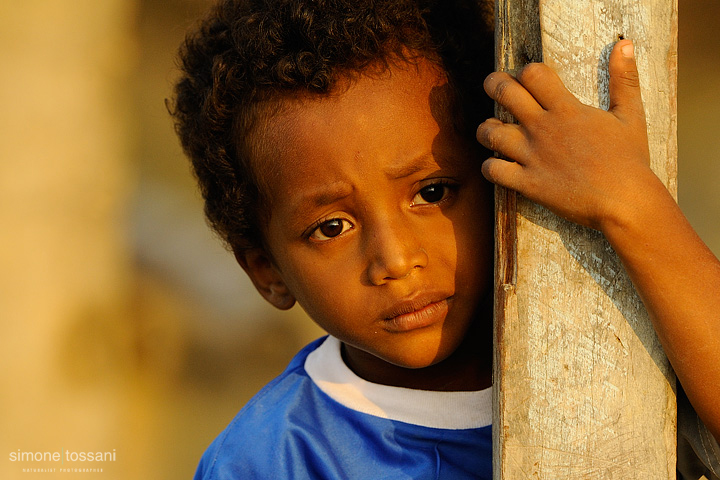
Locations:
(639, 216)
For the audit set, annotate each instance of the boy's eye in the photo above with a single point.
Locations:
(330, 229)
(434, 193)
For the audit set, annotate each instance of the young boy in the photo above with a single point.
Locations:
(333, 143)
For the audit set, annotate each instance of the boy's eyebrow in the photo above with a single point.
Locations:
(417, 165)
(331, 193)
(326, 195)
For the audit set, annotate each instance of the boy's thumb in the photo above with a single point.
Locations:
(625, 98)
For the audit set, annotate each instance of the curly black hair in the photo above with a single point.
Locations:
(246, 52)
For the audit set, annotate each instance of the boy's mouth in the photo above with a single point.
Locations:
(417, 313)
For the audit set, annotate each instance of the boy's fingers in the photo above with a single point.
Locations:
(509, 93)
(625, 98)
(502, 172)
(544, 85)
(508, 139)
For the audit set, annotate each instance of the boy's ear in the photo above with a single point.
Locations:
(264, 275)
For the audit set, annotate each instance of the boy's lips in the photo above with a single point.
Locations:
(416, 313)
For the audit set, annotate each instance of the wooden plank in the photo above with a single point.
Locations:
(582, 387)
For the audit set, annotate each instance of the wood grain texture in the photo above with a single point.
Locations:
(583, 389)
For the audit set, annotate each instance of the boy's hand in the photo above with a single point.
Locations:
(585, 164)
(591, 166)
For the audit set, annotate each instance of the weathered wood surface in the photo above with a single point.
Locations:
(583, 389)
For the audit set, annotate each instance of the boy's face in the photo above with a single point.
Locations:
(380, 222)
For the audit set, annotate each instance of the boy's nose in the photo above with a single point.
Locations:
(396, 251)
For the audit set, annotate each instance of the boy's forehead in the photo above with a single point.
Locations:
(291, 115)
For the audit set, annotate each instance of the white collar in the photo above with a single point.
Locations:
(448, 410)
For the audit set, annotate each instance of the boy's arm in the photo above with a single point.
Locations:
(591, 166)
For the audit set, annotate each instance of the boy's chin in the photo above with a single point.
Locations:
(421, 357)
(423, 351)
(414, 363)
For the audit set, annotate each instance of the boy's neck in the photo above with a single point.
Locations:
(469, 368)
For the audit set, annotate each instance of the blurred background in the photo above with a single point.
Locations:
(124, 324)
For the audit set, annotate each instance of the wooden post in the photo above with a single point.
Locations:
(582, 387)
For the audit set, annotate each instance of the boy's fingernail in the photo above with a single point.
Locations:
(628, 50)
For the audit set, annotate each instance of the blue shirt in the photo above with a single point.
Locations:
(318, 420)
